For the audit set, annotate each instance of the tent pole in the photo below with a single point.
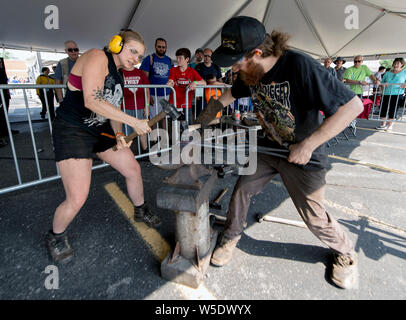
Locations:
(381, 14)
(309, 22)
(267, 14)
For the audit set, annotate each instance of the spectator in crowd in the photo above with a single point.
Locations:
(379, 74)
(356, 75)
(14, 80)
(331, 70)
(45, 79)
(182, 78)
(208, 67)
(211, 92)
(52, 75)
(7, 97)
(340, 69)
(88, 124)
(199, 54)
(205, 68)
(135, 104)
(157, 66)
(65, 65)
(198, 58)
(392, 94)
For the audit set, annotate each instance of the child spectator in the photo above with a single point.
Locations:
(183, 77)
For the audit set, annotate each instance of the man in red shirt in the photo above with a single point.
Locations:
(183, 77)
(134, 99)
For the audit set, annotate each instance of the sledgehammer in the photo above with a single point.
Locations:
(216, 203)
(167, 110)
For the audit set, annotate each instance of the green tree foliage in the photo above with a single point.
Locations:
(5, 54)
(388, 63)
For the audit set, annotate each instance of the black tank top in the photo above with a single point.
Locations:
(72, 109)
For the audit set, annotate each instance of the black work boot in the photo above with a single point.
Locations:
(59, 247)
(144, 214)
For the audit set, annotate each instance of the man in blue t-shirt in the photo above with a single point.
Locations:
(156, 66)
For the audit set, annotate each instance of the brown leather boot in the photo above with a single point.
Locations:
(345, 271)
(224, 250)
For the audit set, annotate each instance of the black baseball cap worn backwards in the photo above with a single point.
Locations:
(239, 36)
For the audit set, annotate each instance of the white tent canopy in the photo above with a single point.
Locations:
(318, 27)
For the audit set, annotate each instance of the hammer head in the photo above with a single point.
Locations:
(170, 109)
(214, 205)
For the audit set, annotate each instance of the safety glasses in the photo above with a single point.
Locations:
(135, 53)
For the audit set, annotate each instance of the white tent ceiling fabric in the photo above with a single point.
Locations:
(318, 27)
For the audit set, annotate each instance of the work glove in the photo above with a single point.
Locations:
(209, 113)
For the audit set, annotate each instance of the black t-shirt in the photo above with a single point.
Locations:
(72, 109)
(301, 88)
(204, 71)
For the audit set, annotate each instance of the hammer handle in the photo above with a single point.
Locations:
(221, 195)
(196, 126)
(151, 123)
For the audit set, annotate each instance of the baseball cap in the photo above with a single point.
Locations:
(239, 36)
(199, 50)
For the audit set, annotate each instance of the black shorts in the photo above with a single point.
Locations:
(72, 141)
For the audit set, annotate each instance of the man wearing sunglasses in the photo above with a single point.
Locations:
(206, 68)
(65, 66)
(356, 75)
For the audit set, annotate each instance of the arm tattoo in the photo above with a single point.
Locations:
(99, 94)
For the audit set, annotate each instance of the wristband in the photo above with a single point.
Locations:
(119, 133)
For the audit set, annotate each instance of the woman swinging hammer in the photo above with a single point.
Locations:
(88, 123)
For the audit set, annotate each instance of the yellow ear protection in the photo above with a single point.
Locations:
(116, 44)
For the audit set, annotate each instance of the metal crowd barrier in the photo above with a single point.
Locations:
(200, 100)
(40, 176)
(372, 96)
(378, 99)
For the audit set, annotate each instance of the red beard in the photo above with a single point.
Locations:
(253, 74)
